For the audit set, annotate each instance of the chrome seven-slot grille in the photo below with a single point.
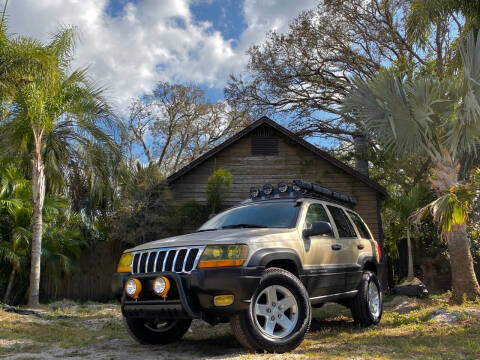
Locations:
(175, 259)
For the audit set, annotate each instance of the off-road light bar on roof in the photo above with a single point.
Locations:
(300, 188)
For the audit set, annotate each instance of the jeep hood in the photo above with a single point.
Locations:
(229, 236)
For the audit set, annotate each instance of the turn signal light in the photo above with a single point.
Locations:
(124, 263)
(223, 300)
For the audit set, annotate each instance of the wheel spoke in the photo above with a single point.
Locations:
(286, 323)
(270, 326)
(272, 294)
(286, 303)
(261, 309)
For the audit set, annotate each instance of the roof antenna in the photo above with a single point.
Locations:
(3, 13)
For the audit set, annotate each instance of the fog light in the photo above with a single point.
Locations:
(133, 287)
(254, 192)
(282, 187)
(161, 286)
(268, 189)
(223, 300)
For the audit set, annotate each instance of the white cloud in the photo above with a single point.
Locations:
(151, 40)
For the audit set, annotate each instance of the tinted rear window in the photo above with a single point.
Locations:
(344, 226)
(361, 227)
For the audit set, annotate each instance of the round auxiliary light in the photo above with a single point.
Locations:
(295, 187)
(254, 192)
(282, 187)
(268, 189)
(133, 287)
(161, 285)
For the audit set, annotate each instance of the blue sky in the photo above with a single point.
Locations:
(129, 45)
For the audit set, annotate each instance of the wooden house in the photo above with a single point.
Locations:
(266, 152)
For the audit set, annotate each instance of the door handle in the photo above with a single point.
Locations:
(360, 246)
(336, 246)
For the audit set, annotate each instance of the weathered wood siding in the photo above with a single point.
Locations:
(292, 162)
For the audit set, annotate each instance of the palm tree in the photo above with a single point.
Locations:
(439, 119)
(54, 114)
(404, 207)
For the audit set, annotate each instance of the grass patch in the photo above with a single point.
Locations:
(333, 334)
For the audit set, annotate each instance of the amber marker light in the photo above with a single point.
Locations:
(223, 300)
(133, 288)
(223, 256)
(125, 263)
(161, 286)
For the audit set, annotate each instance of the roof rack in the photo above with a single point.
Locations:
(298, 189)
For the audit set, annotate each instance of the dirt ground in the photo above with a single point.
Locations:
(410, 328)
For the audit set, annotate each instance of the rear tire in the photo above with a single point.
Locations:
(279, 315)
(367, 305)
(151, 332)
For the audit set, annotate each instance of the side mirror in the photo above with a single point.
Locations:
(318, 228)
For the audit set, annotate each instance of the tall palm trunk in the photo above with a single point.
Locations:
(464, 280)
(6, 297)
(38, 187)
(410, 256)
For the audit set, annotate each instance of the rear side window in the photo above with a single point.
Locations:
(344, 226)
(361, 227)
(315, 213)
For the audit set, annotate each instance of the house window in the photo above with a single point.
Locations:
(264, 142)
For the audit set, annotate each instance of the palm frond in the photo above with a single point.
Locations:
(399, 114)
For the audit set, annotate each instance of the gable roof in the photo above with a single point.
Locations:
(265, 120)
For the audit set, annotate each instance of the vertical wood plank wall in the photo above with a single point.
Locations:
(293, 162)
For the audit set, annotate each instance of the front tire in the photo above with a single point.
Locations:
(279, 315)
(152, 332)
(367, 305)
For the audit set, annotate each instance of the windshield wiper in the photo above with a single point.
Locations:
(206, 230)
(236, 226)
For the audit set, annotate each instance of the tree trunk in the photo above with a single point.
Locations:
(38, 187)
(6, 298)
(361, 149)
(464, 280)
(444, 177)
(410, 256)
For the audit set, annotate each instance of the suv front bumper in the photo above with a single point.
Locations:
(192, 294)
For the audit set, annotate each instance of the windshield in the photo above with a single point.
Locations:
(281, 215)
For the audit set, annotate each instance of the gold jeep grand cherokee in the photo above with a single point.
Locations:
(261, 265)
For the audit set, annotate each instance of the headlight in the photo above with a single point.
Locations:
(223, 255)
(124, 263)
(133, 287)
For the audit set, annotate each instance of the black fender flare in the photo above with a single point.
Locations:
(264, 256)
(367, 258)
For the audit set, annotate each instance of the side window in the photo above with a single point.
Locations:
(344, 226)
(361, 227)
(316, 212)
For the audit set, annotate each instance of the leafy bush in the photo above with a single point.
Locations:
(217, 184)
